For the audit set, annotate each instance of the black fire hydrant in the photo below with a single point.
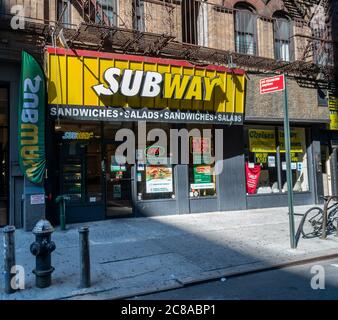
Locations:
(42, 249)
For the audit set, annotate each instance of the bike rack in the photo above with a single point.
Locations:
(326, 205)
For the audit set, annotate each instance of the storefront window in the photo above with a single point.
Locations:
(202, 178)
(299, 168)
(154, 171)
(265, 165)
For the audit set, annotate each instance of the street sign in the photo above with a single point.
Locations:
(271, 84)
(274, 84)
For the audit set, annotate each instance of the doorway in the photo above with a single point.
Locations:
(118, 180)
(4, 102)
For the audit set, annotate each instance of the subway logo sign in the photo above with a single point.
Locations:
(82, 79)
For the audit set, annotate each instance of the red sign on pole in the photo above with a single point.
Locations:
(272, 84)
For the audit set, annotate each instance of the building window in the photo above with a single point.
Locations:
(322, 49)
(106, 12)
(64, 9)
(138, 15)
(202, 177)
(282, 35)
(322, 96)
(195, 22)
(265, 164)
(245, 29)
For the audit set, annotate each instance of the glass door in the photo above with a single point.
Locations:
(118, 179)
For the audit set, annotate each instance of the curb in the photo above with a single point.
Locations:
(240, 270)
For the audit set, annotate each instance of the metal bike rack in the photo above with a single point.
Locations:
(326, 205)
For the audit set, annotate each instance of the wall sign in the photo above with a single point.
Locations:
(37, 199)
(151, 84)
(132, 88)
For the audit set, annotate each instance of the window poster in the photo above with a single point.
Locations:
(296, 138)
(271, 161)
(202, 174)
(159, 178)
(261, 157)
(117, 191)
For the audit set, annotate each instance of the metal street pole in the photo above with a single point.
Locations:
(288, 167)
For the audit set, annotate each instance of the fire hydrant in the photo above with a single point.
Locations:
(62, 200)
(42, 249)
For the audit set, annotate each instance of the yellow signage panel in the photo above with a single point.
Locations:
(296, 140)
(91, 79)
(333, 106)
(262, 140)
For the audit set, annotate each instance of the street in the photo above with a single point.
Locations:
(288, 283)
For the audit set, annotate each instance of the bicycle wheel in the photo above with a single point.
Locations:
(312, 223)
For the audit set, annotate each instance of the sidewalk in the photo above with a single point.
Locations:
(136, 256)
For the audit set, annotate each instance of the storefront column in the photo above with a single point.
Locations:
(231, 181)
(182, 187)
(317, 166)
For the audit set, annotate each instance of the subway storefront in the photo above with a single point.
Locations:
(140, 136)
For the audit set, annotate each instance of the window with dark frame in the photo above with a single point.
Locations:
(245, 29)
(138, 15)
(282, 34)
(194, 22)
(64, 9)
(322, 97)
(106, 12)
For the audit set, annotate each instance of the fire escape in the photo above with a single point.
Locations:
(104, 30)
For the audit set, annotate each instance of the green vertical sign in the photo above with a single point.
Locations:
(31, 124)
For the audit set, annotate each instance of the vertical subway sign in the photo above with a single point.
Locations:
(31, 118)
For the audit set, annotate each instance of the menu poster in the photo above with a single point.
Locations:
(202, 174)
(159, 179)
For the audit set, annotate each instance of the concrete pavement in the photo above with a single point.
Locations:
(136, 256)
